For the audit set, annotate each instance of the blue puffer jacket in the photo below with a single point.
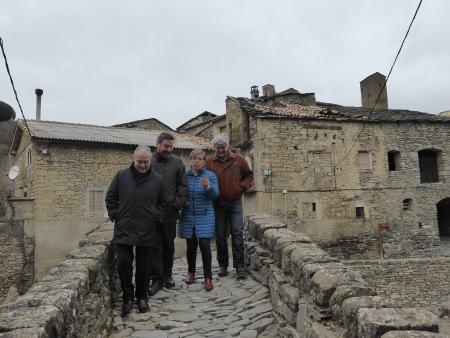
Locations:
(200, 212)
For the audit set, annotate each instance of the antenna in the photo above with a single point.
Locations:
(13, 172)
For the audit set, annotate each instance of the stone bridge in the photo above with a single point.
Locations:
(295, 289)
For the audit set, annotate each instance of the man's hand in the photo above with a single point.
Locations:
(204, 182)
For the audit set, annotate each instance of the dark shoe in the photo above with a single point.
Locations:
(155, 287)
(223, 271)
(127, 307)
(208, 284)
(189, 278)
(168, 282)
(143, 305)
(241, 273)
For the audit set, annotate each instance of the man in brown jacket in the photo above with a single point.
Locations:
(235, 178)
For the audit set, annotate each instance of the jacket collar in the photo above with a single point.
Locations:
(191, 171)
(230, 156)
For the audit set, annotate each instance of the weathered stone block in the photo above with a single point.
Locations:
(317, 330)
(97, 252)
(351, 306)
(376, 322)
(413, 334)
(290, 295)
(47, 317)
(324, 282)
(346, 291)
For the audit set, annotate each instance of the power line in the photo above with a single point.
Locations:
(13, 87)
(384, 85)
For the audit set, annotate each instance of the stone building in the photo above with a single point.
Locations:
(6, 133)
(65, 170)
(206, 125)
(338, 173)
(149, 124)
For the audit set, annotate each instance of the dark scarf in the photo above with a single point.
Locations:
(139, 177)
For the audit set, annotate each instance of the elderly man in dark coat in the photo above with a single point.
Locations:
(134, 200)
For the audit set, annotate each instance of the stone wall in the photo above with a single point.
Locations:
(73, 300)
(321, 193)
(16, 259)
(60, 182)
(415, 282)
(315, 295)
(6, 161)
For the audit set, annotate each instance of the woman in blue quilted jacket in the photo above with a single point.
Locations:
(197, 219)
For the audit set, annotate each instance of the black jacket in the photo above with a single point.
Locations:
(173, 172)
(135, 207)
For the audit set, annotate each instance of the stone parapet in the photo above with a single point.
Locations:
(74, 298)
(315, 295)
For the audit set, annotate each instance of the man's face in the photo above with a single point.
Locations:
(141, 161)
(221, 150)
(165, 148)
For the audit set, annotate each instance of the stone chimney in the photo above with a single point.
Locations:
(268, 90)
(254, 92)
(370, 88)
(38, 93)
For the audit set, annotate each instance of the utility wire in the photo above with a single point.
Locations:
(384, 85)
(13, 87)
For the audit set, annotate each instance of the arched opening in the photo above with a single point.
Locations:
(443, 212)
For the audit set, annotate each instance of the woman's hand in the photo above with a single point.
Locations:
(204, 182)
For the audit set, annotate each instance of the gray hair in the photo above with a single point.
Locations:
(197, 152)
(221, 139)
(141, 149)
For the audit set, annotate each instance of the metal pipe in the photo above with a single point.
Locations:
(38, 93)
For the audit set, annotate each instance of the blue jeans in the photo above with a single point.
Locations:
(225, 216)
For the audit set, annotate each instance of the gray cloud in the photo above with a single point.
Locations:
(106, 62)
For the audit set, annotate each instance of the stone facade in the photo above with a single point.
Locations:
(415, 282)
(6, 161)
(73, 300)
(315, 295)
(208, 129)
(67, 187)
(196, 120)
(326, 186)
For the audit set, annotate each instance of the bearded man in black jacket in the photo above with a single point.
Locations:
(173, 171)
(134, 201)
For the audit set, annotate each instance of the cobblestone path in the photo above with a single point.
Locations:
(235, 308)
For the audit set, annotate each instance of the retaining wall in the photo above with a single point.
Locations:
(73, 300)
(315, 295)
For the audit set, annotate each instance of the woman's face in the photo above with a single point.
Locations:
(198, 162)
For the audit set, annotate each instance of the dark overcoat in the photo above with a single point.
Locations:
(135, 207)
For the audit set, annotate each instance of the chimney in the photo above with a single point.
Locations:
(268, 90)
(38, 93)
(370, 88)
(254, 92)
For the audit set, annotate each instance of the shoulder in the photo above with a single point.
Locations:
(239, 159)
(156, 176)
(208, 173)
(177, 160)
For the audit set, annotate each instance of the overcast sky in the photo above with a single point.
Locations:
(107, 62)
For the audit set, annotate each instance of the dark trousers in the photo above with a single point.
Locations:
(230, 215)
(125, 257)
(191, 253)
(162, 259)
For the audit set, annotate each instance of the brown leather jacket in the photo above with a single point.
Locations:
(233, 174)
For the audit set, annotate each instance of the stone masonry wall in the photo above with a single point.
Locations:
(415, 282)
(315, 295)
(73, 300)
(16, 263)
(321, 193)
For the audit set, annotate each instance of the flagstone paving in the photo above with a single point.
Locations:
(234, 308)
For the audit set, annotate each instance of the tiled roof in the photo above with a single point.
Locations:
(329, 111)
(51, 130)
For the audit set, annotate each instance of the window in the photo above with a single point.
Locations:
(394, 160)
(314, 207)
(407, 204)
(364, 160)
(360, 213)
(428, 166)
(28, 156)
(96, 200)
(222, 130)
